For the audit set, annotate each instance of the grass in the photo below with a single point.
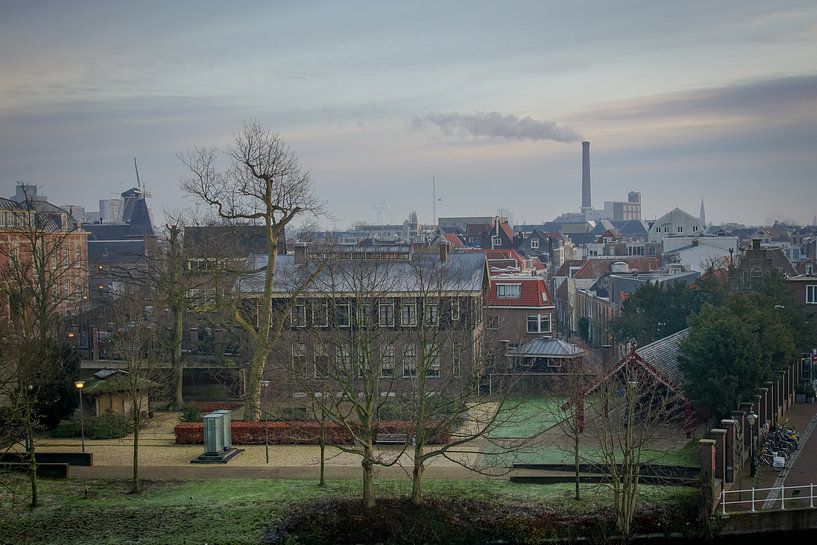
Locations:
(222, 511)
(524, 417)
(494, 456)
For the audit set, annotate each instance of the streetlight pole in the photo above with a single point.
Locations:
(265, 385)
(80, 384)
(752, 419)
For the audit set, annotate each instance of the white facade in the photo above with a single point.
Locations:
(700, 258)
(672, 243)
(677, 222)
(110, 210)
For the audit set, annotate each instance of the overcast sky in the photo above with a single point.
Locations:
(680, 100)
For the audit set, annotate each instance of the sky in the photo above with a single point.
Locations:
(680, 100)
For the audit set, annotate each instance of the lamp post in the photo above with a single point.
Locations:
(752, 419)
(265, 384)
(80, 384)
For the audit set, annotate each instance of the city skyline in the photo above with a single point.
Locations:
(679, 101)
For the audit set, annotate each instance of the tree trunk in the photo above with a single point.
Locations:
(576, 458)
(417, 479)
(32, 460)
(178, 364)
(252, 396)
(368, 477)
(322, 443)
(136, 486)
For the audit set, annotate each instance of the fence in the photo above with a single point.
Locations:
(776, 498)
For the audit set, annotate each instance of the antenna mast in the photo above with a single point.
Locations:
(434, 199)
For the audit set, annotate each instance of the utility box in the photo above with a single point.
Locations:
(213, 434)
(228, 420)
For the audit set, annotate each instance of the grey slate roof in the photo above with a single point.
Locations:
(663, 355)
(464, 272)
(549, 348)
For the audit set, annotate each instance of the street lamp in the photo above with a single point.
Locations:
(752, 419)
(265, 384)
(80, 384)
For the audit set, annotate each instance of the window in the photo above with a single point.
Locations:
(387, 361)
(343, 314)
(456, 359)
(496, 241)
(408, 314)
(430, 313)
(321, 361)
(538, 323)
(299, 314)
(432, 360)
(385, 314)
(320, 314)
(299, 357)
(410, 361)
(811, 294)
(455, 310)
(694, 228)
(492, 322)
(534, 244)
(343, 361)
(680, 228)
(508, 291)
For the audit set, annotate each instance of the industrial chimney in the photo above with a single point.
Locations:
(586, 200)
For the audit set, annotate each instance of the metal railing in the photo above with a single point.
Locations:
(776, 498)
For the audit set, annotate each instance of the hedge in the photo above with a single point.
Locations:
(290, 433)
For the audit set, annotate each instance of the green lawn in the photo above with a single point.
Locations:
(494, 456)
(221, 511)
(524, 417)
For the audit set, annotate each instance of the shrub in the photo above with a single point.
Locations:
(191, 413)
(109, 426)
(289, 414)
(66, 429)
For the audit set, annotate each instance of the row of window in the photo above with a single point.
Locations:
(537, 323)
(387, 314)
(811, 294)
(344, 363)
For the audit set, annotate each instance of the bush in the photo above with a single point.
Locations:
(289, 414)
(66, 429)
(109, 426)
(805, 388)
(191, 413)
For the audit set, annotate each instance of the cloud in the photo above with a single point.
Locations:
(496, 125)
(760, 98)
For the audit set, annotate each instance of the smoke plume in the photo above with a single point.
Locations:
(497, 125)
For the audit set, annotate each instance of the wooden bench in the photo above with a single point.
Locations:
(391, 439)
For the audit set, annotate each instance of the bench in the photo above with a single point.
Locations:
(391, 439)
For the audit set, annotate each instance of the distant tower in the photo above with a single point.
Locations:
(587, 203)
(702, 215)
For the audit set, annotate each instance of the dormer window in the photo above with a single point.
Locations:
(534, 244)
(508, 291)
(496, 241)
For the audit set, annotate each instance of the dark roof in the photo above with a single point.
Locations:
(233, 240)
(663, 355)
(632, 228)
(464, 272)
(115, 251)
(106, 231)
(140, 225)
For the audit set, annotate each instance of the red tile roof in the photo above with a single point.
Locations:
(455, 241)
(533, 292)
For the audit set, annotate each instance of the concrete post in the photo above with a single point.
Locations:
(762, 407)
(771, 402)
(745, 408)
(719, 435)
(732, 463)
(706, 451)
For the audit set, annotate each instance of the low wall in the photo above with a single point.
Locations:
(770, 521)
(70, 458)
(291, 433)
(49, 471)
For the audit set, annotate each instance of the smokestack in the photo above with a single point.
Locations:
(586, 201)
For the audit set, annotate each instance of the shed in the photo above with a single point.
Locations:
(109, 391)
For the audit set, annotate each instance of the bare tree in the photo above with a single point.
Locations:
(627, 410)
(354, 358)
(264, 183)
(43, 278)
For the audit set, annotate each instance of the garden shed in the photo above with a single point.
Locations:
(109, 391)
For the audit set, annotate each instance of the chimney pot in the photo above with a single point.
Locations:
(301, 253)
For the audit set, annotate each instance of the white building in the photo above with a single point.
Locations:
(678, 223)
